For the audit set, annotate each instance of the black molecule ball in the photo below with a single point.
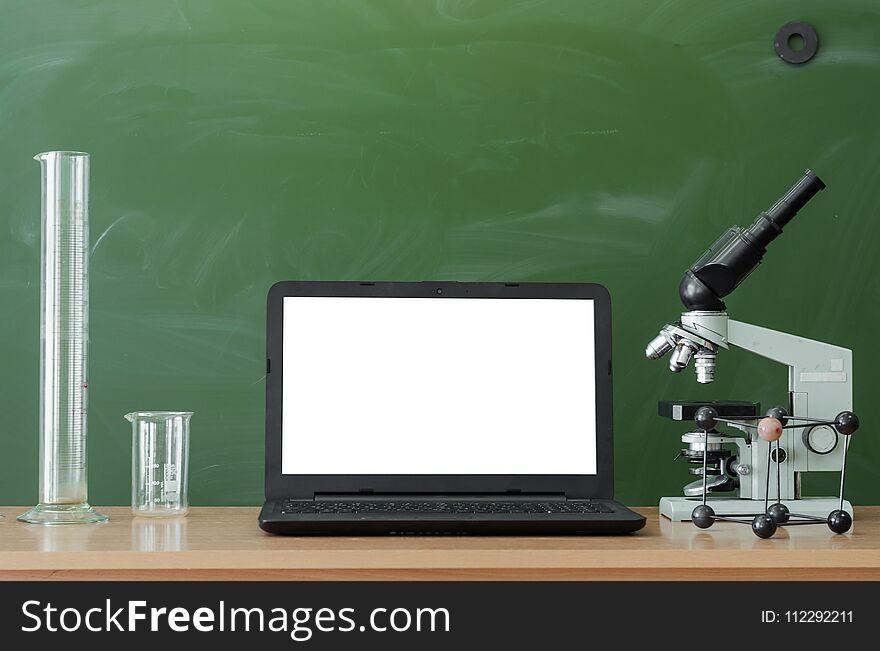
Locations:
(779, 413)
(839, 521)
(764, 526)
(705, 418)
(703, 516)
(779, 513)
(846, 423)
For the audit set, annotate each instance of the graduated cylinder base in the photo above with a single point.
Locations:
(62, 514)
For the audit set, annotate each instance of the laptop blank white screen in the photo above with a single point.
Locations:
(441, 386)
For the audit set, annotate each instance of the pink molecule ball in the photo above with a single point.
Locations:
(769, 429)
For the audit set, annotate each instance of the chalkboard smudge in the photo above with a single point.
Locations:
(595, 132)
(114, 223)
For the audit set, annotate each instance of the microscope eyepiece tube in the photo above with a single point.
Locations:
(769, 224)
(784, 210)
(739, 251)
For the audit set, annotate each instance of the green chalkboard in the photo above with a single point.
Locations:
(237, 143)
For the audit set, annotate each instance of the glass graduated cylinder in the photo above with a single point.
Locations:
(159, 462)
(64, 341)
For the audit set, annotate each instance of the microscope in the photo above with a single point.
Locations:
(810, 434)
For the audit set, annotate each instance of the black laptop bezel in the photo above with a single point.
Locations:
(281, 486)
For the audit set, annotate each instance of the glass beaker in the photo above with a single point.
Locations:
(159, 462)
(64, 341)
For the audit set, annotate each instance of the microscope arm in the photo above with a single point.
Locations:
(819, 374)
(820, 385)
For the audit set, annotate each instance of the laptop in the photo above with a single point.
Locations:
(440, 408)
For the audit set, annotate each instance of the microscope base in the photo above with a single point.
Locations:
(679, 509)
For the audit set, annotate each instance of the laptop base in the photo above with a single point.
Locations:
(619, 520)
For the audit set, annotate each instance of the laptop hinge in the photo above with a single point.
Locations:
(579, 496)
(427, 497)
(311, 495)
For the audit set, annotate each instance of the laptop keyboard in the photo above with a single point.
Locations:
(434, 507)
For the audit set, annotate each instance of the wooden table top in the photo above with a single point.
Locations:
(224, 543)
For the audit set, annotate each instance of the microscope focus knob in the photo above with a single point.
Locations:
(820, 439)
(769, 429)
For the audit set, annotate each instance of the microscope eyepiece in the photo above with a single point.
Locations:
(737, 252)
(784, 210)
